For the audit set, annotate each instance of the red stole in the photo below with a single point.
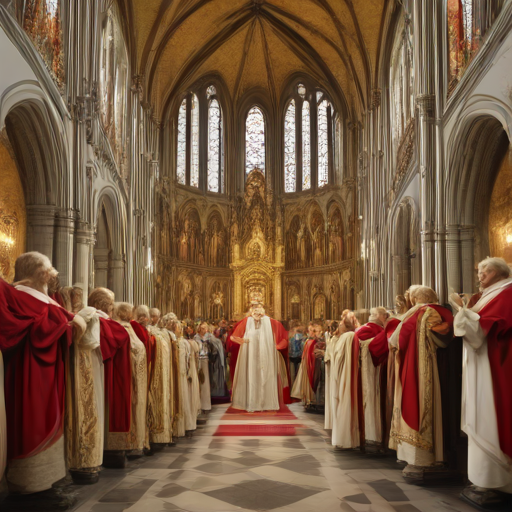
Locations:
(280, 339)
(379, 346)
(308, 360)
(116, 352)
(34, 340)
(149, 343)
(496, 321)
(408, 353)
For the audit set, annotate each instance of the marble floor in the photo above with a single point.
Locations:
(283, 474)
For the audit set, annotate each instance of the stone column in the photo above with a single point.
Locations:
(467, 251)
(238, 295)
(117, 264)
(83, 270)
(41, 229)
(101, 268)
(453, 259)
(426, 59)
(64, 245)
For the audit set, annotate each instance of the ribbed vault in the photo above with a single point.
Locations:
(254, 44)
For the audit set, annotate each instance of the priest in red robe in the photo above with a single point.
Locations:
(417, 425)
(35, 336)
(116, 350)
(486, 328)
(261, 378)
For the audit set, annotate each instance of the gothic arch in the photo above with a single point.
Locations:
(110, 247)
(472, 165)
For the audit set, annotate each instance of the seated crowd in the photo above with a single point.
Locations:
(87, 386)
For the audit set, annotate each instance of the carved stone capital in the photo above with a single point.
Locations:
(376, 98)
(426, 104)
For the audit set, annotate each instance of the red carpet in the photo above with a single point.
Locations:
(257, 430)
(237, 414)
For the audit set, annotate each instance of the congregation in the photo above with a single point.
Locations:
(90, 386)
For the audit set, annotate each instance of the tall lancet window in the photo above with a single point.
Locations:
(215, 153)
(290, 156)
(181, 167)
(194, 166)
(306, 146)
(187, 147)
(254, 140)
(312, 134)
(324, 137)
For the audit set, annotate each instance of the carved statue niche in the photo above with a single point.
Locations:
(335, 236)
(317, 227)
(294, 238)
(217, 302)
(189, 243)
(215, 242)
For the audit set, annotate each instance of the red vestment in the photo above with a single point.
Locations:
(34, 340)
(309, 361)
(280, 339)
(496, 323)
(408, 370)
(379, 346)
(149, 342)
(116, 351)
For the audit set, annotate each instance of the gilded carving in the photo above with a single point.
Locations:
(13, 223)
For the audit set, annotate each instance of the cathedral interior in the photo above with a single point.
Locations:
(325, 154)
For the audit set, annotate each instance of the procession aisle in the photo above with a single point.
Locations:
(298, 472)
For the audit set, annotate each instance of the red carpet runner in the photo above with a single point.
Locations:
(236, 414)
(257, 430)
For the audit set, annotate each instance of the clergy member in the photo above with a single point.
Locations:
(116, 349)
(487, 382)
(35, 336)
(202, 338)
(159, 401)
(417, 425)
(135, 439)
(261, 380)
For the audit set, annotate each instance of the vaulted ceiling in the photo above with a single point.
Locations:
(255, 44)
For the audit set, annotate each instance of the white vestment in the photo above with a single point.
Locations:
(345, 424)
(488, 466)
(328, 360)
(255, 386)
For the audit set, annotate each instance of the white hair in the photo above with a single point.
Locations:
(34, 267)
(499, 265)
(375, 312)
(140, 312)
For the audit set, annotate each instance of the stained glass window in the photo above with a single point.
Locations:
(255, 140)
(215, 170)
(181, 167)
(323, 141)
(194, 164)
(290, 166)
(306, 146)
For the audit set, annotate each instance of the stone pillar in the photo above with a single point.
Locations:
(427, 148)
(64, 245)
(41, 229)
(117, 264)
(83, 270)
(467, 252)
(101, 268)
(453, 259)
